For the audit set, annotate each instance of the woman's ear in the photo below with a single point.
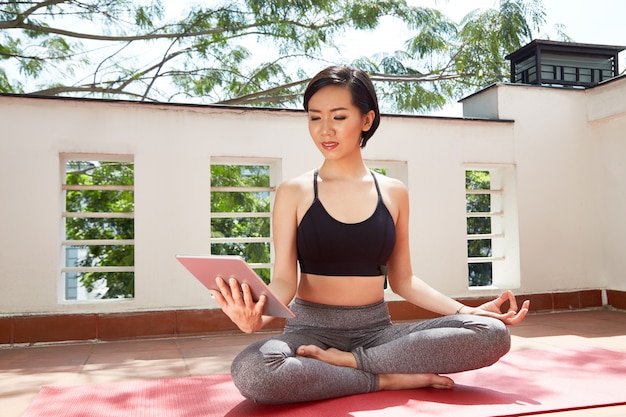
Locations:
(368, 120)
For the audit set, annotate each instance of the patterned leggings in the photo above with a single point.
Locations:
(268, 371)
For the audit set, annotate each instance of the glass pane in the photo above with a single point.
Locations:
(103, 201)
(240, 226)
(478, 225)
(569, 74)
(478, 203)
(71, 286)
(99, 173)
(479, 248)
(585, 75)
(105, 285)
(480, 274)
(100, 255)
(238, 202)
(240, 175)
(251, 252)
(477, 180)
(83, 228)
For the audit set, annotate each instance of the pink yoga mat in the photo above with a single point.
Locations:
(521, 383)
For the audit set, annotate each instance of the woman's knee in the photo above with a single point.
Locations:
(256, 369)
(497, 338)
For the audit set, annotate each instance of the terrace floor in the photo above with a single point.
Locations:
(24, 369)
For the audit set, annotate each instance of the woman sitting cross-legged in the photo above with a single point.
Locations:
(347, 227)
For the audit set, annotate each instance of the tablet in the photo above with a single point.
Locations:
(208, 267)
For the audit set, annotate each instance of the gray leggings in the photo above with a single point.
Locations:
(268, 371)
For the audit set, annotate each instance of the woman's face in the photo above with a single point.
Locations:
(335, 124)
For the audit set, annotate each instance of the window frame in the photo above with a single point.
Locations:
(275, 169)
(504, 234)
(65, 243)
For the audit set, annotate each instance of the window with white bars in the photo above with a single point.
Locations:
(98, 227)
(492, 227)
(242, 194)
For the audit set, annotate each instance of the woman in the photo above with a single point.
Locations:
(345, 226)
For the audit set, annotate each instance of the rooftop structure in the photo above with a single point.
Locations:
(543, 62)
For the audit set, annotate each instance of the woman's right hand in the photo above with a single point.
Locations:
(237, 303)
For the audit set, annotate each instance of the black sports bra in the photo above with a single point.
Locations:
(327, 246)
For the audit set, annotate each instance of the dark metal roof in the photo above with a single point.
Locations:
(566, 47)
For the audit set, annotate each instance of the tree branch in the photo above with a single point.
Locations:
(264, 95)
(21, 17)
(20, 24)
(402, 78)
(83, 89)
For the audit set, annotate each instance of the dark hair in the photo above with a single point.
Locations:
(359, 85)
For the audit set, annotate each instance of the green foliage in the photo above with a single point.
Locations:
(449, 60)
(118, 284)
(243, 201)
(253, 52)
(6, 86)
(480, 274)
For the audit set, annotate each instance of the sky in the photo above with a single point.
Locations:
(585, 21)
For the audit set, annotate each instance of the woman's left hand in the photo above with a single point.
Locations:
(493, 309)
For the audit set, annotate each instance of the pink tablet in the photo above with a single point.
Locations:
(208, 267)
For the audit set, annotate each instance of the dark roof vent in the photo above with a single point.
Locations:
(564, 63)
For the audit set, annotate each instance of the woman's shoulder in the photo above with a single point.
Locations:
(297, 186)
(390, 184)
(394, 192)
(301, 181)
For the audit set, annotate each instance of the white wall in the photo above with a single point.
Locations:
(607, 121)
(558, 159)
(551, 150)
(570, 150)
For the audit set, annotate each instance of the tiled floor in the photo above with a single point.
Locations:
(23, 370)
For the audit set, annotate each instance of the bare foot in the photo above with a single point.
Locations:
(331, 355)
(388, 382)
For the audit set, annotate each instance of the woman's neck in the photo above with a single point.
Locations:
(333, 170)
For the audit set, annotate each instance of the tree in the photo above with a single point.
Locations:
(241, 200)
(90, 228)
(480, 274)
(128, 50)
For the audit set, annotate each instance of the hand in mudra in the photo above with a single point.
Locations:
(494, 309)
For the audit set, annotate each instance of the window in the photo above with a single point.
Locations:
(526, 71)
(242, 194)
(492, 227)
(98, 227)
(574, 70)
